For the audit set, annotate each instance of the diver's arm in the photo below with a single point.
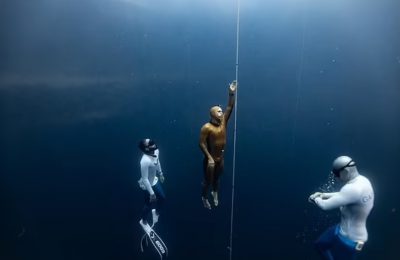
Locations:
(347, 195)
(321, 195)
(159, 169)
(203, 142)
(144, 168)
(231, 100)
(327, 195)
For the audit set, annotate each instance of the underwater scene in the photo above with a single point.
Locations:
(212, 129)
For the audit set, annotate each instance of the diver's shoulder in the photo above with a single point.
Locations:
(362, 178)
(366, 182)
(145, 159)
(207, 126)
(362, 184)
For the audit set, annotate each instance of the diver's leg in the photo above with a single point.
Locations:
(146, 208)
(342, 250)
(158, 190)
(219, 169)
(208, 178)
(325, 243)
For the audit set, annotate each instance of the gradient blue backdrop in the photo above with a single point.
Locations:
(82, 81)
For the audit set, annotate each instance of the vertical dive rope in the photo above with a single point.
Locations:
(234, 129)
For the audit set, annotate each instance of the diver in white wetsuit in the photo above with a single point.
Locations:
(154, 196)
(355, 201)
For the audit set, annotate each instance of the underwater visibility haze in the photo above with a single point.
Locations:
(81, 82)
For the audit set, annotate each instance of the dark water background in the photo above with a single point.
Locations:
(82, 81)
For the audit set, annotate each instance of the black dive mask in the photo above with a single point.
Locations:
(148, 146)
(336, 171)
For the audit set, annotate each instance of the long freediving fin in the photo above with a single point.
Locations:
(155, 239)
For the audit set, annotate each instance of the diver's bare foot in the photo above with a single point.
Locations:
(215, 196)
(206, 203)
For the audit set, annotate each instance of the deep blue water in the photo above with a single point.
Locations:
(81, 82)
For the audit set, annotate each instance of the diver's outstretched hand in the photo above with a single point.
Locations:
(232, 87)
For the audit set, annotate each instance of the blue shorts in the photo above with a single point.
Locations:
(333, 245)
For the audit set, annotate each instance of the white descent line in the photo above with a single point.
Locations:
(234, 129)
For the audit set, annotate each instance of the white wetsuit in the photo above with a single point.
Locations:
(355, 200)
(149, 167)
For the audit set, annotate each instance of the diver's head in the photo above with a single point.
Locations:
(147, 146)
(344, 168)
(216, 114)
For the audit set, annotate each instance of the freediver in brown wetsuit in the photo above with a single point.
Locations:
(212, 144)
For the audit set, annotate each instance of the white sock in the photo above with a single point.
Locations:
(155, 216)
